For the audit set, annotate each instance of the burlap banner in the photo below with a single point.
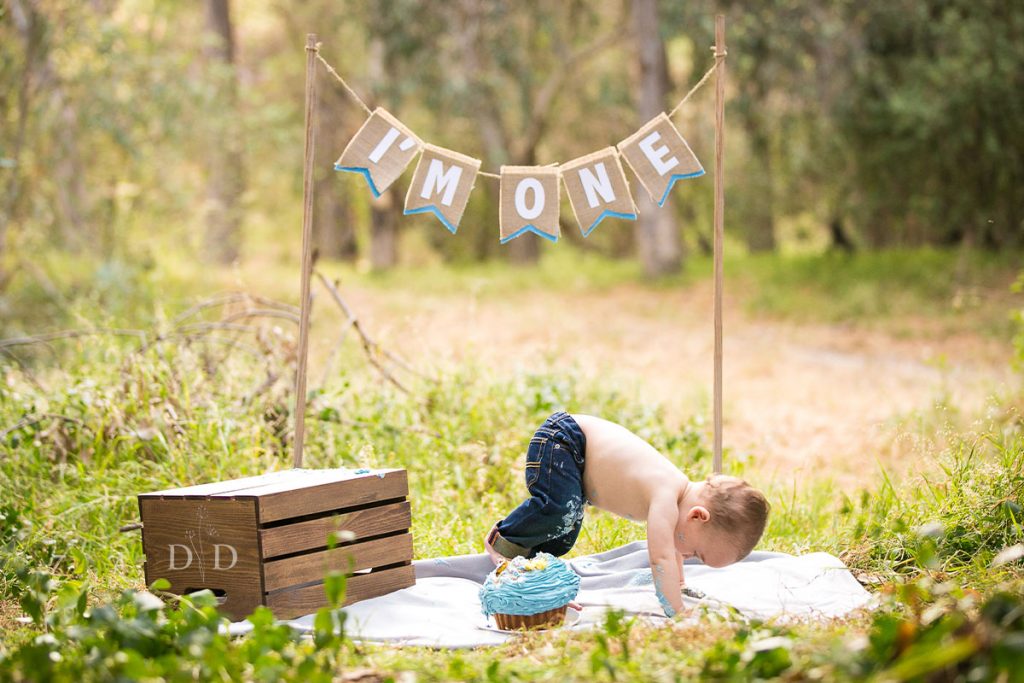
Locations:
(441, 185)
(659, 156)
(529, 195)
(597, 189)
(529, 202)
(381, 150)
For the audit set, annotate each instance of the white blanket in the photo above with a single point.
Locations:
(443, 608)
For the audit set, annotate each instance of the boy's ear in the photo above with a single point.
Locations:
(699, 513)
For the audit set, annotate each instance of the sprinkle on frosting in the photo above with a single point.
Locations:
(522, 586)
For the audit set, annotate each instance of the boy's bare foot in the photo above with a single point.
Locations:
(495, 556)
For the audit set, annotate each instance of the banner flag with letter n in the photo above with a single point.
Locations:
(381, 150)
(659, 156)
(597, 189)
(528, 202)
(441, 185)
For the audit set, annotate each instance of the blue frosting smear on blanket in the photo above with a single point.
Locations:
(443, 608)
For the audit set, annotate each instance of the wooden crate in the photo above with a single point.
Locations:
(264, 540)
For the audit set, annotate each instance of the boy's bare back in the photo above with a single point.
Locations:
(624, 473)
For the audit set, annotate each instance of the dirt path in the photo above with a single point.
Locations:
(803, 399)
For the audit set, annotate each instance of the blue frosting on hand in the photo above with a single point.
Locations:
(512, 588)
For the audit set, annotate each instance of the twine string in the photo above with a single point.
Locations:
(719, 58)
(352, 93)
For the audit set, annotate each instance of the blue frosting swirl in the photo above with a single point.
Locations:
(514, 588)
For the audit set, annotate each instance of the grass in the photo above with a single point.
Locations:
(913, 293)
(93, 421)
(945, 290)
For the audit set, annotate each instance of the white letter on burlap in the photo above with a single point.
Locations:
(597, 189)
(659, 156)
(441, 185)
(528, 202)
(380, 151)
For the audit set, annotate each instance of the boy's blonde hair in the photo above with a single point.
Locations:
(737, 509)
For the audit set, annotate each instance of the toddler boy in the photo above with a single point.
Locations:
(575, 460)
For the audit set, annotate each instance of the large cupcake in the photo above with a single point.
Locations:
(534, 593)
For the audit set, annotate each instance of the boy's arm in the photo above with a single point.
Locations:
(682, 578)
(661, 521)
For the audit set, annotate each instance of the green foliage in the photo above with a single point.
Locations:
(138, 636)
(927, 286)
(952, 524)
(939, 632)
(938, 75)
(752, 653)
(898, 120)
(610, 657)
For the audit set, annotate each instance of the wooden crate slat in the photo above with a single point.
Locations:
(217, 486)
(292, 478)
(281, 502)
(304, 480)
(278, 574)
(197, 544)
(313, 533)
(308, 599)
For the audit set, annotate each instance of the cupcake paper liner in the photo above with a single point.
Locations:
(549, 619)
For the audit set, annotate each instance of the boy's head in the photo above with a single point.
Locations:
(738, 510)
(727, 522)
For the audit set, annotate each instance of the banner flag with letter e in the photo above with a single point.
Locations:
(441, 185)
(659, 156)
(597, 189)
(528, 202)
(381, 150)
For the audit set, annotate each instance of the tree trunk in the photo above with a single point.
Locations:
(840, 240)
(72, 201)
(334, 234)
(524, 250)
(384, 235)
(26, 22)
(657, 241)
(225, 180)
(386, 210)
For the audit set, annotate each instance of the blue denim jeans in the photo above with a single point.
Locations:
(549, 520)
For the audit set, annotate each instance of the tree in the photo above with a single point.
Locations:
(657, 240)
(934, 120)
(225, 181)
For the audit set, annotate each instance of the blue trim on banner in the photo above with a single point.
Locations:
(529, 228)
(672, 181)
(364, 171)
(608, 213)
(430, 208)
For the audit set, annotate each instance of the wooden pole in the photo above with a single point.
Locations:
(307, 250)
(719, 227)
